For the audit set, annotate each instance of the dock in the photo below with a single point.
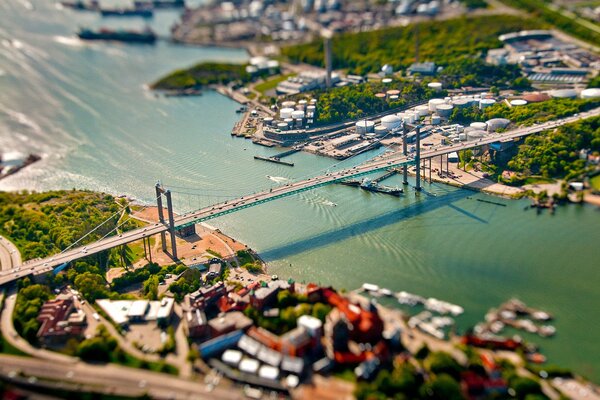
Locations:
(385, 176)
(274, 160)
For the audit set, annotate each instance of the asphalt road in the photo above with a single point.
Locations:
(10, 257)
(394, 160)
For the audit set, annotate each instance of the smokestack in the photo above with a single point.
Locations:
(328, 59)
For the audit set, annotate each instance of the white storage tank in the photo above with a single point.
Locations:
(288, 104)
(518, 102)
(298, 114)
(268, 120)
(313, 102)
(422, 110)
(444, 110)
(282, 126)
(380, 130)
(433, 103)
(479, 125)
(363, 127)
(289, 122)
(302, 103)
(590, 93)
(462, 136)
(475, 134)
(391, 122)
(394, 97)
(435, 119)
(497, 123)
(484, 103)
(437, 86)
(563, 93)
(286, 113)
(461, 103)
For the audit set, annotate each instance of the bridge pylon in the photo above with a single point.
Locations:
(160, 191)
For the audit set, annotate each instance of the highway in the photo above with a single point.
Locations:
(10, 257)
(227, 207)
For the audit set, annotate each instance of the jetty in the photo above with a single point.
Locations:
(274, 160)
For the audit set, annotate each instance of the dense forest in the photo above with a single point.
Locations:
(201, 75)
(41, 224)
(539, 10)
(555, 153)
(525, 115)
(357, 101)
(443, 42)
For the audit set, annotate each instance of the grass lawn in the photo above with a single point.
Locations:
(532, 180)
(595, 182)
(271, 83)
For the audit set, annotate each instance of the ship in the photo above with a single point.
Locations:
(144, 12)
(374, 187)
(93, 5)
(160, 3)
(144, 36)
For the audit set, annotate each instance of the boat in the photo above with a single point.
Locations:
(160, 3)
(374, 187)
(144, 12)
(93, 5)
(144, 36)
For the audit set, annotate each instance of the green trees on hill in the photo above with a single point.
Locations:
(30, 300)
(44, 223)
(443, 42)
(555, 154)
(203, 74)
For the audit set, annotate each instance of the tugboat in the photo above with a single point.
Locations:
(93, 5)
(144, 36)
(374, 187)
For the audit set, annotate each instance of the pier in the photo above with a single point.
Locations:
(274, 160)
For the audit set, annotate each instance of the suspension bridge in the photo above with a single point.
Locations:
(173, 225)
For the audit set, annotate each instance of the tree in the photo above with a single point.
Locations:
(92, 286)
(524, 387)
(443, 363)
(441, 387)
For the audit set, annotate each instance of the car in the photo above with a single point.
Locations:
(96, 316)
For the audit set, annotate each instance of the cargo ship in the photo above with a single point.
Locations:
(144, 36)
(160, 3)
(144, 12)
(374, 187)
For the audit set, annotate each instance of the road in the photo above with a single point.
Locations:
(10, 257)
(227, 207)
(110, 378)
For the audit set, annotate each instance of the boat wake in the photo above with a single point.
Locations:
(69, 41)
(278, 179)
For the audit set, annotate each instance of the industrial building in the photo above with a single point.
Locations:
(124, 312)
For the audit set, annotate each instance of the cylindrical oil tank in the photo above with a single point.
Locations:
(444, 110)
(298, 114)
(288, 104)
(391, 122)
(381, 130)
(437, 86)
(461, 103)
(282, 126)
(484, 103)
(289, 122)
(462, 136)
(435, 119)
(563, 93)
(475, 134)
(497, 123)
(286, 113)
(591, 93)
(478, 125)
(518, 102)
(422, 110)
(433, 103)
(363, 127)
(268, 120)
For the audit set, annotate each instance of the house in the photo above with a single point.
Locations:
(228, 322)
(60, 321)
(424, 68)
(196, 324)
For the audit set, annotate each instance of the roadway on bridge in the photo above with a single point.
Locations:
(10, 257)
(379, 164)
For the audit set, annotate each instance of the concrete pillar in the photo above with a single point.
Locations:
(171, 225)
(405, 153)
(418, 158)
(161, 216)
(429, 169)
(149, 249)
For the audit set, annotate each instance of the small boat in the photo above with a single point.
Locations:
(144, 36)
(127, 12)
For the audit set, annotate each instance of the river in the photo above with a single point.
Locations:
(85, 109)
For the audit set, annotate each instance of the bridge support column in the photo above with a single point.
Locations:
(429, 169)
(405, 153)
(161, 216)
(149, 249)
(418, 158)
(171, 225)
